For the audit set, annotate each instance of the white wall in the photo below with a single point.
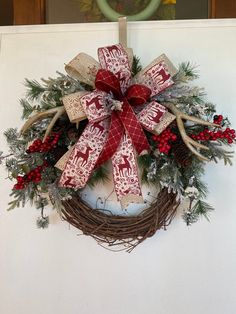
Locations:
(181, 271)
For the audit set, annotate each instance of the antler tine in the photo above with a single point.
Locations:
(58, 111)
(189, 142)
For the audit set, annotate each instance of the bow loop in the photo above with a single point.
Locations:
(138, 94)
(106, 81)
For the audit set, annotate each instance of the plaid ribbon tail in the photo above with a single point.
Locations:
(134, 128)
(114, 137)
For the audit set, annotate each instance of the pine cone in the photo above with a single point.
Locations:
(181, 152)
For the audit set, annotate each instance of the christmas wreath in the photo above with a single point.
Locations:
(150, 124)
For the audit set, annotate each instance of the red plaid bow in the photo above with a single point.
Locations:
(114, 131)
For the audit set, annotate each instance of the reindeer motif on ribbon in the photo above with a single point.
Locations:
(96, 101)
(162, 76)
(97, 126)
(69, 182)
(155, 115)
(84, 156)
(125, 165)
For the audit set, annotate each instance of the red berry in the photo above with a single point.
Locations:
(18, 187)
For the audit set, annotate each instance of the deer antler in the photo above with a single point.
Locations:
(189, 142)
(57, 112)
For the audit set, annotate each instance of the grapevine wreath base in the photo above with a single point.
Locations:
(114, 230)
(149, 125)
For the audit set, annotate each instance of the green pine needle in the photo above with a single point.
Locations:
(202, 208)
(189, 70)
(35, 89)
(136, 66)
(99, 175)
(144, 161)
(27, 108)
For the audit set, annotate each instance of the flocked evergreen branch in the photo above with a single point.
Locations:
(49, 93)
(28, 108)
(34, 89)
(186, 72)
(218, 152)
(200, 209)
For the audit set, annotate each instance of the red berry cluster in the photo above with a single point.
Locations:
(164, 140)
(33, 176)
(218, 119)
(207, 135)
(38, 146)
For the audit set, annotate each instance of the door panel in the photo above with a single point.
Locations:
(28, 12)
(223, 9)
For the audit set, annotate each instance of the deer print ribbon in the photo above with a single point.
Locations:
(115, 130)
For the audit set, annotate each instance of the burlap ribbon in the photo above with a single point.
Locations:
(115, 129)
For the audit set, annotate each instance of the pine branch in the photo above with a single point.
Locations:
(199, 209)
(19, 199)
(27, 108)
(201, 186)
(13, 204)
(35, 89)
(168, 175)
(217, 152)
(202, 208)
(11, 135)
(50, 92)
(46, 105)
(187, 72)
(136, 66)
(58, 194)
(17, 145)
(99, 175)
(147, 164)
(145, 161)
